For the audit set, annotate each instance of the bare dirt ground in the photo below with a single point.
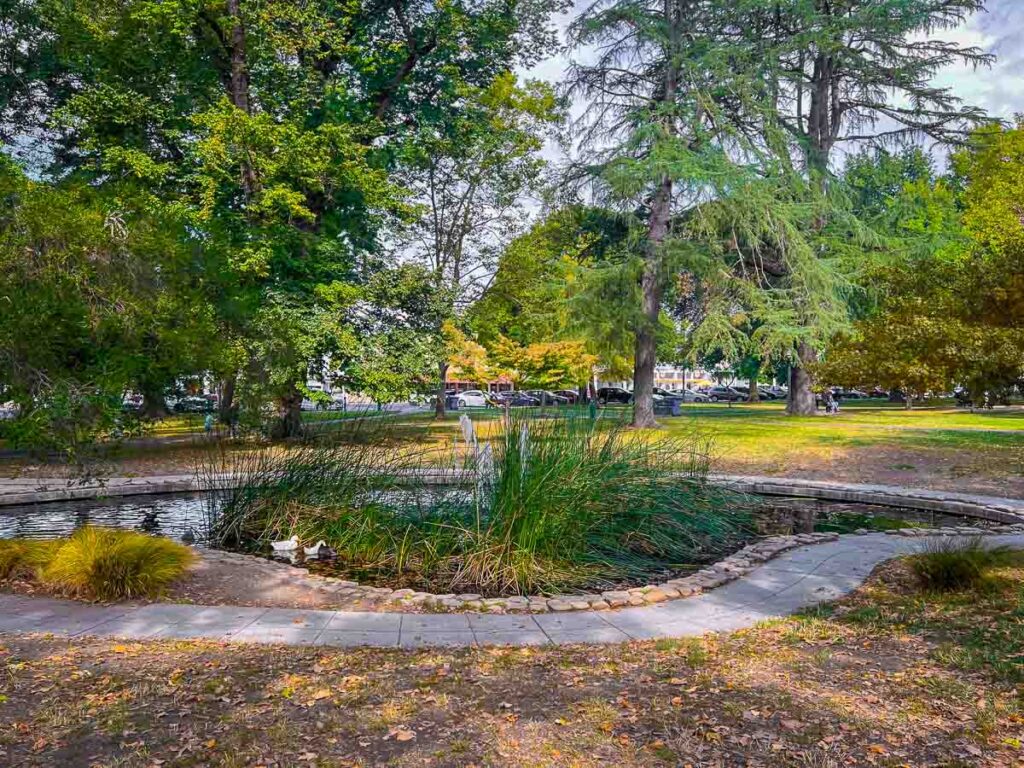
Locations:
(993, 472)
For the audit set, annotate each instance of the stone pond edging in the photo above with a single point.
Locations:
(1008, 512)
(16, 492)
(732, 568)
(797, 579)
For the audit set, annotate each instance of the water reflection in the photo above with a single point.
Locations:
(170, 515)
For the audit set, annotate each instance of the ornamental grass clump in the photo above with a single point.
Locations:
(948, 565)
(97, 563)
(109, 564)
(573, 501)
(22, 558)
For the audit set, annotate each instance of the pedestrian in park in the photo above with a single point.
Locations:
(830, 402)
(208, 424)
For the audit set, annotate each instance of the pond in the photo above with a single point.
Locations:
(173, 514)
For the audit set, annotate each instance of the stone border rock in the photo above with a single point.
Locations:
(730, 569)
(1009, 512)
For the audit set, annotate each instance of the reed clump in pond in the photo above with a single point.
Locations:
(559, 504)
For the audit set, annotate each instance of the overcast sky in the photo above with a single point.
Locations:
(999, 90)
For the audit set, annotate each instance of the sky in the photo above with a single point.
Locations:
(999, 90)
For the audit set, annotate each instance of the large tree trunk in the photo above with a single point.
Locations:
(754, 396)
(801, 388)
(289, 414)
(439, 404)
(226, 399)
(154, 406)
(646, 352)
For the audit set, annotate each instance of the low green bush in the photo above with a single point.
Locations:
(98, 563)
(946, 565)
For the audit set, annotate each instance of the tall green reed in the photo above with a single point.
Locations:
(561, 503)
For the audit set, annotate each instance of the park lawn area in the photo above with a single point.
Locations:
(885, 677)
(936, 447)
(941, 447)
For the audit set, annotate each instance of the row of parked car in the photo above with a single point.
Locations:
(478, 398)
(623, 396)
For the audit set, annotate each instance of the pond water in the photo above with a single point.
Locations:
(173, 514)
(168, 515)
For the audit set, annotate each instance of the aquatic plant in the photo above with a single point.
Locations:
(557, 504)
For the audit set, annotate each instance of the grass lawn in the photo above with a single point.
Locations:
(938, 446)
(941, 446)
(886, 677)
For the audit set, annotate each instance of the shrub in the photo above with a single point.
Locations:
(945, 565)
(109, 564)
(24, 557)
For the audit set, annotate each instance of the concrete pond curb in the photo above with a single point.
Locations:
(796, 579)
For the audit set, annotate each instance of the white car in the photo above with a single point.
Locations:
(689, 396)
(473, 398)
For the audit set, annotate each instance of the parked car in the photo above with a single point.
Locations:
(689, 396)
(571, 395)
(618, 395)
(766, 394)
(849, 394)
(193, 404)
(474, 398)
(725, 395)
(548, 398)
(667, 394)
(515, 399)
(781, 393)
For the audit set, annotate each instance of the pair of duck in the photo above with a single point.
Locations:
(292, 545)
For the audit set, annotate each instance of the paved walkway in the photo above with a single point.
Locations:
(797, 579)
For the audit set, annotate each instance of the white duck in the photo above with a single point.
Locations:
(288, 545)
(314, 551)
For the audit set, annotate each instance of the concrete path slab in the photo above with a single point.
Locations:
(797, 579)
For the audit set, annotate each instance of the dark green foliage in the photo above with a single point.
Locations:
(945, 565)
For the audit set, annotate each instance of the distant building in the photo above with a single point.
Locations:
(670, 377)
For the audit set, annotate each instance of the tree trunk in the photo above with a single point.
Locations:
(154, 406)
(289, 414)
(754, 396)
(801, 391)
(439, 405)
(646, 352)
(226, 399)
